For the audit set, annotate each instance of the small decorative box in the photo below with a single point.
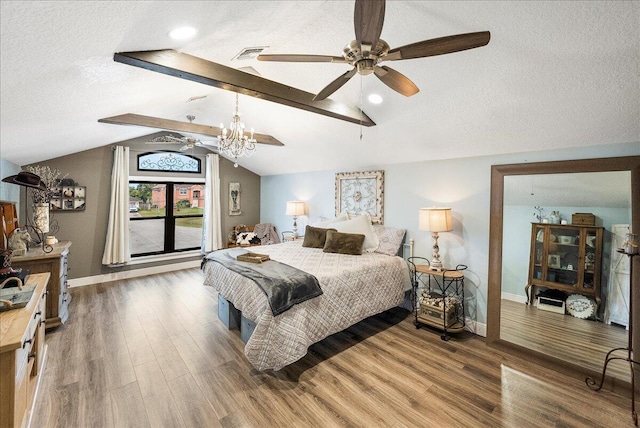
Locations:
(583, 219)
(432, 310)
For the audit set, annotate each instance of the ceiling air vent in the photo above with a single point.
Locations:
(249, 53)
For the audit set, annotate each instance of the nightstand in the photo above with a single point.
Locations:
(438, 297)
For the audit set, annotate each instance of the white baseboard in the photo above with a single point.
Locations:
(135, 273)
(475, 327)
(514, 297)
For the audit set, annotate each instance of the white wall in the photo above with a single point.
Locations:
(462, 184)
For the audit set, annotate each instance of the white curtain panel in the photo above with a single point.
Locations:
(212, 229)
(116, 249)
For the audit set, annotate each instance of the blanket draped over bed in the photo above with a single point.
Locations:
(354, 288)
(283, 285)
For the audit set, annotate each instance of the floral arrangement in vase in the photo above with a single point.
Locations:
(40, 198)
(538, 214)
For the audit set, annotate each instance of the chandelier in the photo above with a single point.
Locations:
(235, 143)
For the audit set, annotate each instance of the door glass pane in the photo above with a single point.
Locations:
(146, 236)
(538, 252)
(589, 257)
(562, 260)
(188, 233)
(188, 199)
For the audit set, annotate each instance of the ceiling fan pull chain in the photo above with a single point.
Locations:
(361, 107)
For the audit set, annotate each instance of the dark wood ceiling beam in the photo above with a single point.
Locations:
(184, 66)
(175, 125)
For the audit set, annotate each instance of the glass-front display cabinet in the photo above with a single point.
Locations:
(567, 258)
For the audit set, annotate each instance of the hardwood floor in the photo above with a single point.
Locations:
(151, 352)
(582, 342)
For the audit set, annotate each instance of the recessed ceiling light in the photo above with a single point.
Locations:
(182, 33)
(375, 99)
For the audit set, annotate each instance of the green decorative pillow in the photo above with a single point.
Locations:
(315, 237)
(343, 243)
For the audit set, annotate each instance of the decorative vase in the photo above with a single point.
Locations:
(554, 217)
(41, 217)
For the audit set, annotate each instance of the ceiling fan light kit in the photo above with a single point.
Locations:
(368, 50)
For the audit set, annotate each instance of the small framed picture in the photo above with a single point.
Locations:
(55, 204)
(554, 261)
(67, 204)
(78, 204)
(79, 191)
(68, 192)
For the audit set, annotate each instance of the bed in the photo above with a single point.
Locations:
(354, 287)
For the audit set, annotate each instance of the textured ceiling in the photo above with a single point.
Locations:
(554, 75)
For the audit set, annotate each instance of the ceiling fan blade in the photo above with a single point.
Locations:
(396, 80)
(335, 85)
(368, 18)
(210, 146)
(165, 139)
(439, 46)
(301, 58)
(184, 148)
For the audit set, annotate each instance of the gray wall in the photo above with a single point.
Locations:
(462, 184)
(87, 229)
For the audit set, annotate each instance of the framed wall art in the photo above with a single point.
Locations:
(234, 199)
(360, 192)
(68, 198)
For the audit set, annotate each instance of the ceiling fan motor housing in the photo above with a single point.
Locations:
(353, 54)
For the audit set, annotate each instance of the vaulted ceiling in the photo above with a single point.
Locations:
(554, 75)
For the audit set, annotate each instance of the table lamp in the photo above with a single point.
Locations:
(435, 220)
(295, 208)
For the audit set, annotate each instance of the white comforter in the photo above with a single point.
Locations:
(354, 288)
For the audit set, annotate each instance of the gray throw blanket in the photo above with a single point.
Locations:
(284, 285)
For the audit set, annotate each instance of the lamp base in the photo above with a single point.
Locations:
(295, 227)
(436, 265)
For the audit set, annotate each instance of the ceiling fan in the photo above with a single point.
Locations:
(368, 49)
(186, 141)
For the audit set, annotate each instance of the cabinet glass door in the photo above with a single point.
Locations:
(590, 248)
(563, 255)
(538, 252)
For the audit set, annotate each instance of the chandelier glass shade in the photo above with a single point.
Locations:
(233, 141)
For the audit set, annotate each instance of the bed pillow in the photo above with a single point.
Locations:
(343, 243)
(315, 237)
(343, 216)
(362, 225)
(390, 238)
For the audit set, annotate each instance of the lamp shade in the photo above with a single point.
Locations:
(295, 208)
(435, 219)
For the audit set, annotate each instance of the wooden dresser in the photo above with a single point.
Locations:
(56, 262)
(22, 355)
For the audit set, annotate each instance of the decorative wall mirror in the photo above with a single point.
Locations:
(500, 327)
